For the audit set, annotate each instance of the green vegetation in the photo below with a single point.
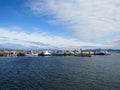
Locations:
(41, 54)
(68, 54)
(1, 54)
(20, 54)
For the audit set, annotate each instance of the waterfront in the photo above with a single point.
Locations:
(60, 73)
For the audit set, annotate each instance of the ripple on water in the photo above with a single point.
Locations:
(60, 73)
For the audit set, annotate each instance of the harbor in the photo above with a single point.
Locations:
(81, 53)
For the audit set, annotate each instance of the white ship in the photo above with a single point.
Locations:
(47, 53)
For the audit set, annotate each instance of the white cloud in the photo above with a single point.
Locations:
(39, 40)
(87, 19)
(114, 42)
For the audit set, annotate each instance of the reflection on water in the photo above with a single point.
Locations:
(60, 73)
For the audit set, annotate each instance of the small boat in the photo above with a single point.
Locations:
(107, 53)
(103, 53)
(47, 53)
(58, 53)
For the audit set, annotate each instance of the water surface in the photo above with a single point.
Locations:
(60, 73)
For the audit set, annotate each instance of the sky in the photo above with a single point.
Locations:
(59, 24)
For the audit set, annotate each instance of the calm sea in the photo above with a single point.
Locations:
(60, 73)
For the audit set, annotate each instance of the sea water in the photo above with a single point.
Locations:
(60, 73)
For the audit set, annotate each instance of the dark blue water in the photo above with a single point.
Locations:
(60, 73)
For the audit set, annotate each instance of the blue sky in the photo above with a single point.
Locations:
(60, 24)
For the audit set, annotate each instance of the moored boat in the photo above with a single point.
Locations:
(47, 53)
(102, 53)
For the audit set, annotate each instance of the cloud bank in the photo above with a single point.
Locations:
(89, 20)
(38, 41)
